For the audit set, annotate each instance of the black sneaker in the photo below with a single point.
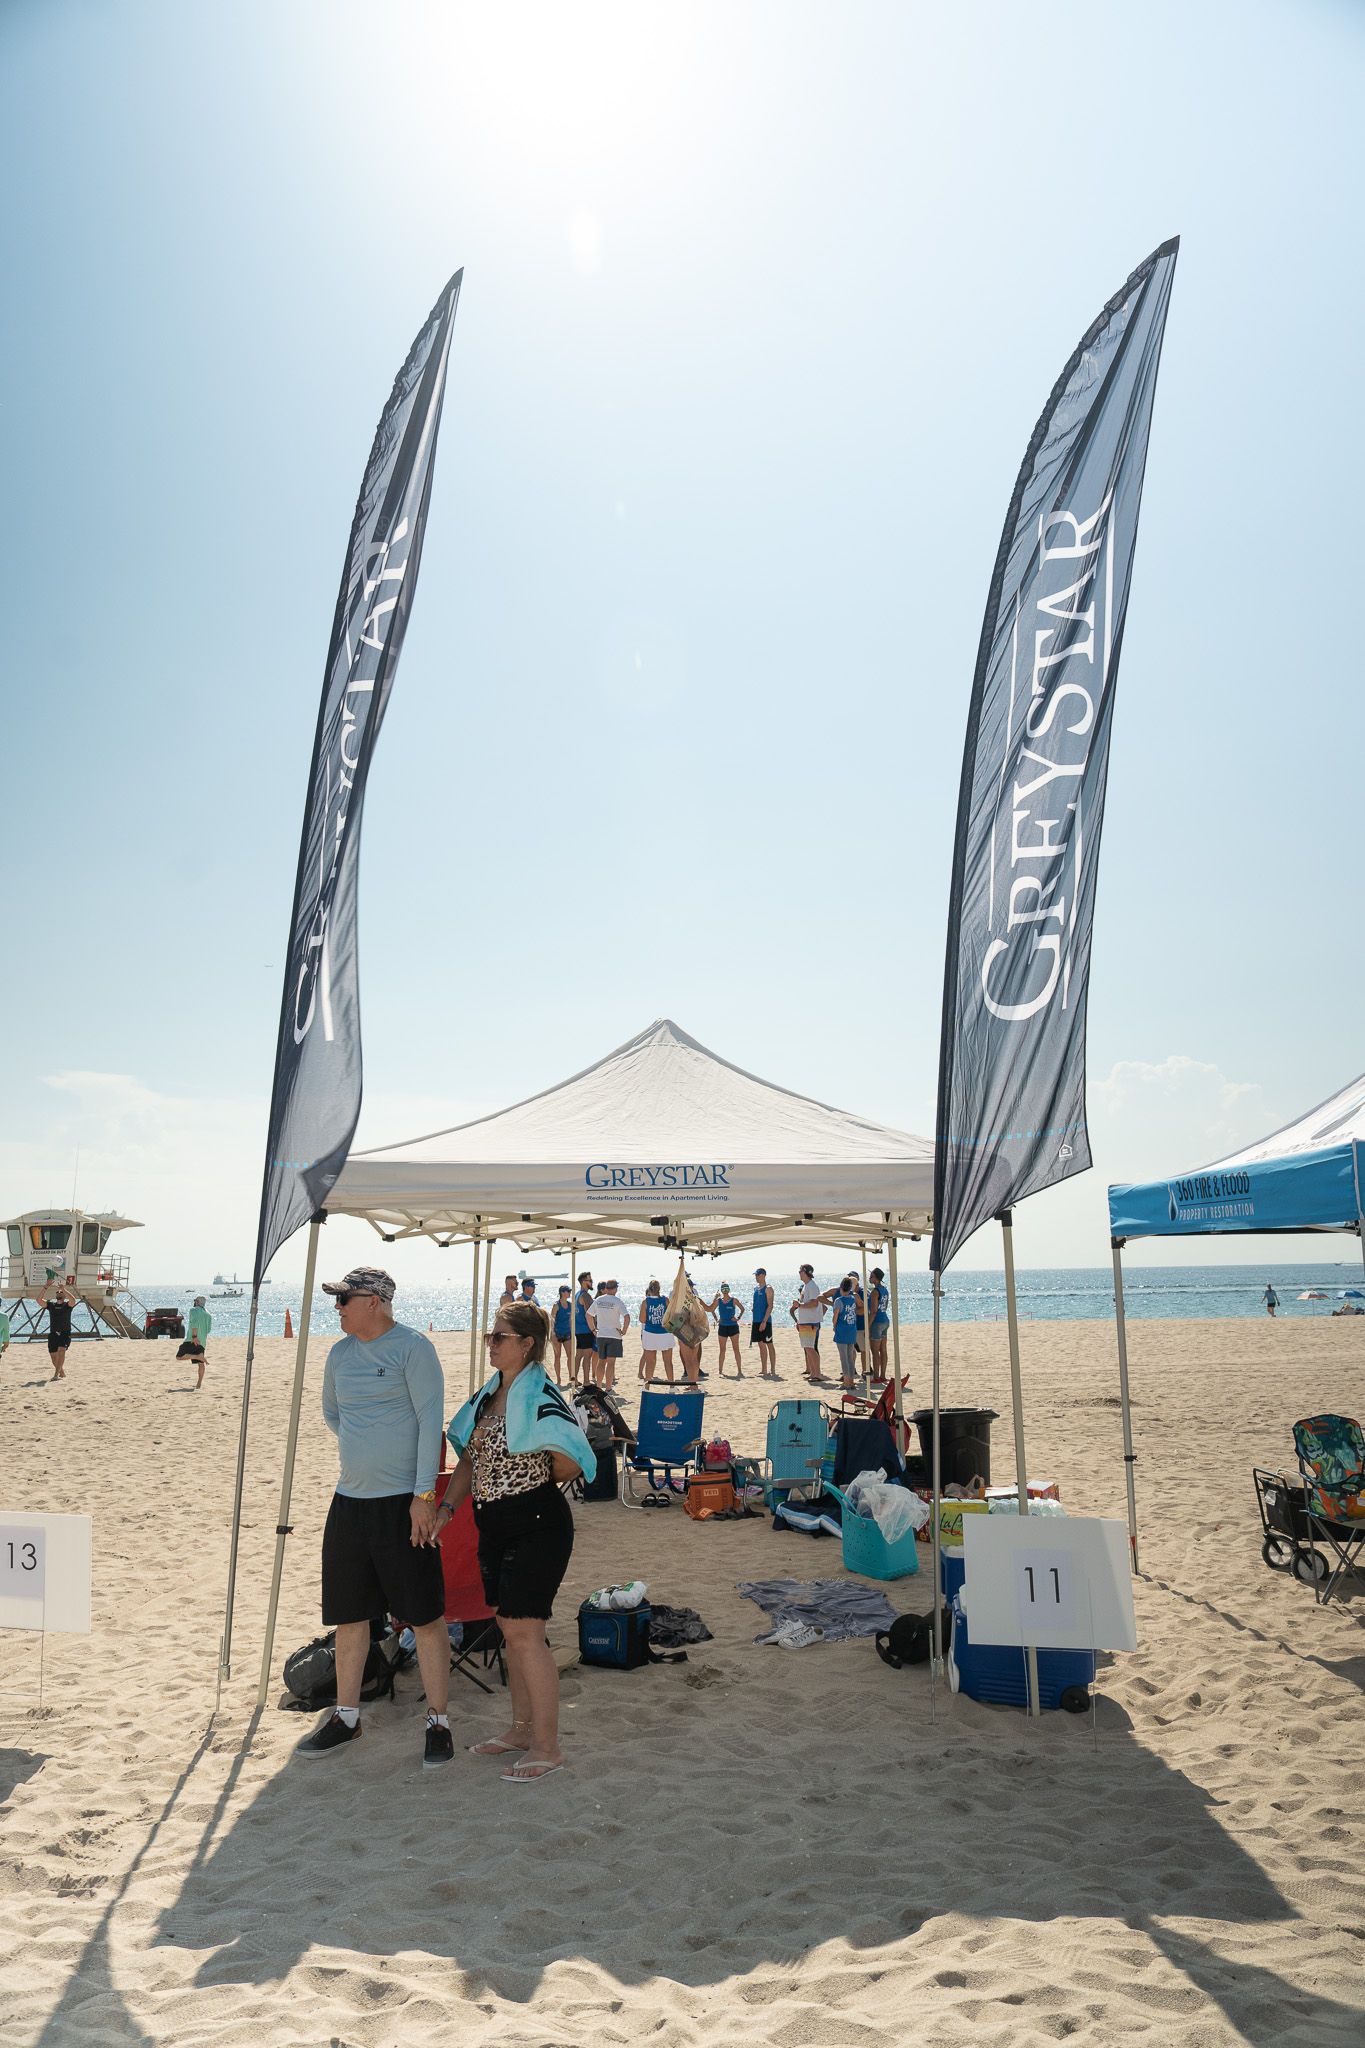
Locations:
(331, 1735)
(440, 1747)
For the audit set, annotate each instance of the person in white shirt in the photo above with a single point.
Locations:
(808, 1312)
(610, 1319)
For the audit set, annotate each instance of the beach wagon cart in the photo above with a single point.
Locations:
(1293, 1526)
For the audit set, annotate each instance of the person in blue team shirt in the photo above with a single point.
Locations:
(383, 1398)
(879, 1323)
(844, 1301)
(727, 1312)
(655, 1341)
(561, 1335)
(761, 1326)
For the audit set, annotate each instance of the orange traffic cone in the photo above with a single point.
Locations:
(288, 1324)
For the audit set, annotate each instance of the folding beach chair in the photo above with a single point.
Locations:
(667, 1436)
(798, 1438)
(480, 1648)
(1331, 1453)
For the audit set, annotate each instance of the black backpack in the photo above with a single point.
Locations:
(311, 1673)
(910, 1639)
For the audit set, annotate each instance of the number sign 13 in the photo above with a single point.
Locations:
(23, 1559)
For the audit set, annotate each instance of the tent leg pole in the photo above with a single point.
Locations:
(894, 1277)
(225, 1646)
(1129, 1455)
(936, 1651)
(487, 1322)
(866, 1346)
(1017, 1401)
(474, 1322)
(291, 1445)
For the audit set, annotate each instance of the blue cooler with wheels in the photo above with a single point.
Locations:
(998, 1672)
(952, 1571)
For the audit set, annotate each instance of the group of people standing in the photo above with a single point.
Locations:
(588, 1329)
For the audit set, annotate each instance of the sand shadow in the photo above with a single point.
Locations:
(1352, 1669)
(363, 1852)
(17, 1766)
(91, 2005)
(1263, 2008)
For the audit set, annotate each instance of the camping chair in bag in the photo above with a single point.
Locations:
(1331, 1452)
(481, 1644)
(798, 1437)
(666, 1439)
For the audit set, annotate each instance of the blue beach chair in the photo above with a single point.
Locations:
(798, 1439)
(667, 1436)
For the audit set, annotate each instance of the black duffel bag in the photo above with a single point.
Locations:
(910, 1639)
(310, 1673)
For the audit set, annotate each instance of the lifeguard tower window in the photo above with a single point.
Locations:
(16, 1241)
(93, 1239)
(49, 1237)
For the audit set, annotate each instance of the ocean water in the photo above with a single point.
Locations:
(1046, 1294)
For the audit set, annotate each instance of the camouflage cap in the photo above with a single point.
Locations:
(364, 1280)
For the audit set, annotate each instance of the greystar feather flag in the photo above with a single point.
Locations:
(316, 1103)
(1011, 1100)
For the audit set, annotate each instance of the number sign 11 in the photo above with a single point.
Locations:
(1051, 1589)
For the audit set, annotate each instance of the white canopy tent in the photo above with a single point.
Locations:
(660, 1143)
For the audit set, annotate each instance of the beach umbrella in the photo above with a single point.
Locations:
(1350, 1294)
(1314, 1294)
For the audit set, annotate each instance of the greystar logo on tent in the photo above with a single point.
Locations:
(1062, 639)
(657, 1177)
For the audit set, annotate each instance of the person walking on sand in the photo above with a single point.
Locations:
(655, 1341)
(761, 1326)
(610, 1319)
(808, 1312)
(1271, 1299)
(562, 1336)
(879, 1321)
(584, 1342)
(516, 1443)
(198, 1323)
(59, 1300)
(383, 1398)
(727, 1312)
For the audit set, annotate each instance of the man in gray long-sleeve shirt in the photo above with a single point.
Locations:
(383, 1397)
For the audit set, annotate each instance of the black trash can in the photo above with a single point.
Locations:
(964, 1436)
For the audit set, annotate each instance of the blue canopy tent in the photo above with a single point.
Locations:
(1307, 1176)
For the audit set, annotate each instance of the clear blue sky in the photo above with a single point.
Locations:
(760, 306)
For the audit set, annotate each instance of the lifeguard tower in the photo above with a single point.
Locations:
(70, 1244)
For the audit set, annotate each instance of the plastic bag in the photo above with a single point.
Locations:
(1010, 1506)
(896, 1511)
(684, 1316)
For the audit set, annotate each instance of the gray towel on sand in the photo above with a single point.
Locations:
(838, 1607)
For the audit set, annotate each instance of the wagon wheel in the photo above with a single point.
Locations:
(1278, 1553)
(1310, 1567)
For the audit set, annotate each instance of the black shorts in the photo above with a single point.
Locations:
(587, 1344)
(369, 1566)
(761, 1333)
(190, 1350)
(525, 1543)
(58, 1344)
(610, 1347)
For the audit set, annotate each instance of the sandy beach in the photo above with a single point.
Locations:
(759, 1846)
